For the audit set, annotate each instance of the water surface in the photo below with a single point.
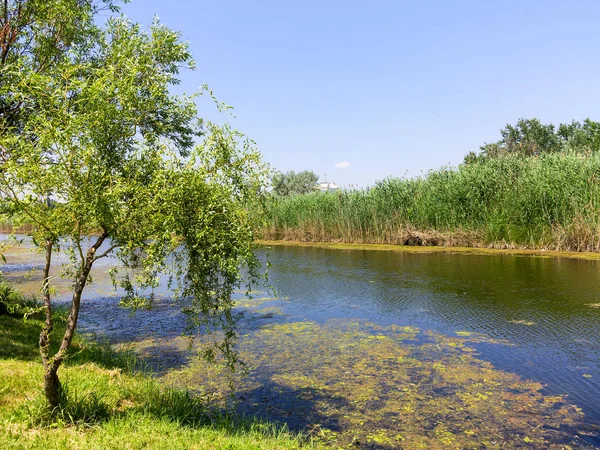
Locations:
(379, 349)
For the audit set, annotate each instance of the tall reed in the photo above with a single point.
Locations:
(549, 201)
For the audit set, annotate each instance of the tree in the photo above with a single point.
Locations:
(530, 137)
(103, 161)
(35, 36)
(580, 137)
(290, 183)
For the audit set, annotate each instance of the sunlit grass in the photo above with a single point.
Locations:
(111, 404)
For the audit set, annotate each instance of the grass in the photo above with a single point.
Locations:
(16, 304)
(551, 201)
(110, 404)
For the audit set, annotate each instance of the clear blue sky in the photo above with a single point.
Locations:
(392, 87)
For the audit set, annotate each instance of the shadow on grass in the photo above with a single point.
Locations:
(109, 385)
(19, 339)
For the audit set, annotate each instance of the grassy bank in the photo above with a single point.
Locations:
(109, 404)
(551, 201)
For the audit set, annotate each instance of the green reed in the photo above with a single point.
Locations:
(512, 201)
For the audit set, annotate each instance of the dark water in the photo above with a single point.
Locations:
(453, 292)
(548, 309)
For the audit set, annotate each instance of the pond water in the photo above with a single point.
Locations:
(378, 349)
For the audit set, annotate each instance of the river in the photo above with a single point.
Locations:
(390, 349)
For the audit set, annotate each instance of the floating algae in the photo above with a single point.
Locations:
(349, 382)
(528, 323)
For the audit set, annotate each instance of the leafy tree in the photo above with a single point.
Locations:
(290, 183)
(36, 36)
(580, 137)
(530, 137)
(104, 162)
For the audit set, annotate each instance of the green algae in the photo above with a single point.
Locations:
(538, 253)
(349, 382)
(257, 302)
(528, 323)
(463, 333)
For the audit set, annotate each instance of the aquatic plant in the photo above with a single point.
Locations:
(550, 201)
(349, 382)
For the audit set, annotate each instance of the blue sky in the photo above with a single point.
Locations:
(393, 88)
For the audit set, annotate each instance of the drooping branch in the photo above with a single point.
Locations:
(14, 197)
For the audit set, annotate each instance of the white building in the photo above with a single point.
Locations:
(327, 186)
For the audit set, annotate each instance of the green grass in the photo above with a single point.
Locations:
(110, 404)
(551, 201)
(16, 304)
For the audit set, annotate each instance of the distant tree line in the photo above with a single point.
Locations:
(530, 137)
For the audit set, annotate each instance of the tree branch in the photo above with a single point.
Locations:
(76, 301)
(78, 243)
(13, 196)
(107, 252)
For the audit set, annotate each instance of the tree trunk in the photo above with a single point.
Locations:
(51, 381)
(52, 387)
(45, 333)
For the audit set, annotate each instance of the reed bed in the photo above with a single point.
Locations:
(551, 201)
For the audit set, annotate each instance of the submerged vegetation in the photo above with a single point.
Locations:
(510, 201)
(358, 384)
(346, 383)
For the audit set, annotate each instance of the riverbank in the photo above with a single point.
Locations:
(541, 253)
(110, 405)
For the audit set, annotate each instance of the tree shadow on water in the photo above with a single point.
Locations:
(310, 411)
(296, 407)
